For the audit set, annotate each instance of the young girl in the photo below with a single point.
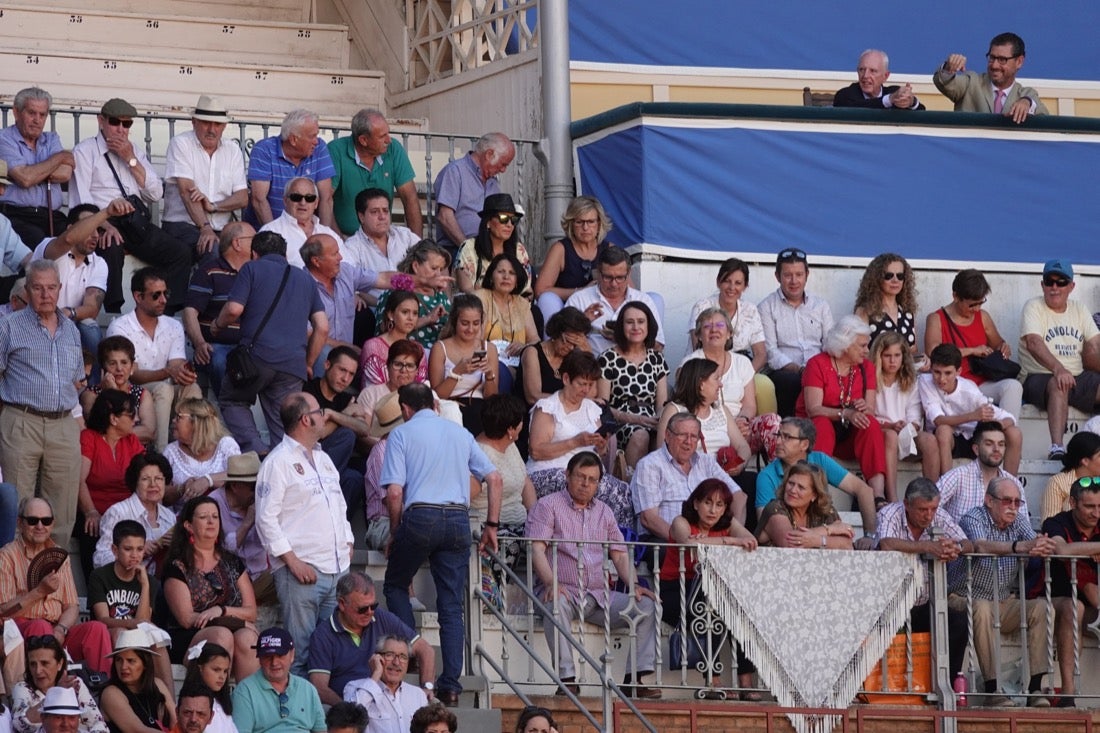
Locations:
(897, 407)
(210, 664)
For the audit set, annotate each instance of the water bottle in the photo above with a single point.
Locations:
(960, 688)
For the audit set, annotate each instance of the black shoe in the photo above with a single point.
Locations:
(567, 684)
(448, 698)
(1065, 701)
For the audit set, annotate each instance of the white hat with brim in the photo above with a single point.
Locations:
(131, 639)
(60, 701)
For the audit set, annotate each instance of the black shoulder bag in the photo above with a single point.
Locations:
(994, 366)
(239, 365)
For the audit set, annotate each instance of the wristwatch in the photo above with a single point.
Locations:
(428, 686)
(132, 162)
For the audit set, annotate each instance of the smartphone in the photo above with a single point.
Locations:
(480, 354)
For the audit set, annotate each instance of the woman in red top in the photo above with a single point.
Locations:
(705, 519)
(838, 394)
(106, 446)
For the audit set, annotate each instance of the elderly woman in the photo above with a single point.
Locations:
(802, 515)
(568, 422)
(199, 453)
(569, 262)
(107, 445)
(964, 323)
(887, 298)
(746, 330)
(738, 381)
(46, 667)
(134, 700)
(208, 590)
(299, 220)
(425, 262)
(509, 323)
(146, 477)
(497, 234)
(433, 718)
(839, 393)
(1082, 459)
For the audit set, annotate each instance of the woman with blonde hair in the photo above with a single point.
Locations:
(887, 298)
(898, 409)
(570, 261)
(199, 453)
(802, 515)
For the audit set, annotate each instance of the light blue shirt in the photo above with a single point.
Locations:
(340, 305)
(15, 151)
(432, 458)
(768, 480)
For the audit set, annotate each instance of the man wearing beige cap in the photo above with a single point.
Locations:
(109, 165)
(204, 180)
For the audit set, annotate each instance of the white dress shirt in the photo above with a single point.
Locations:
(288, 227)
(591, 294)
(218, 176)
(151, 353)
(388, 713)
(93, 183)
(359, 249)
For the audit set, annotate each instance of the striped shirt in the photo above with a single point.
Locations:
(268, 163)
(15, 559)
(38, 370)
(208, 291)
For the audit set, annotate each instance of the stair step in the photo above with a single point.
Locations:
(290, 11)
(45, 30)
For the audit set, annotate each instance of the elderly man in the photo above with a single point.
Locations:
(578, 517)
(37, 164)
(83, 272)
(390, 700)
(50, 608)
(207, 293)
(298, 220)
(297, 152)
(160, 361)
(1059, 353)
(964, 487)
(301, 519)
(370, 158)
(344, 647)
(998, 527)
(378, 244)
(40, 366)
(426, 473)
(664, 478)
(462, 186)
(194, 709)
(339, 283)
(108, 165)
(795, 324)
(269, 289)
(796, 443)
(272, 700)
(601, 301)
(204, 181)
(919, 525)
(60, 712)
(996, 91)
(873, 70)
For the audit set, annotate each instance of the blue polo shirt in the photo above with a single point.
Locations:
(459, 187)
(15, 151)
(335, 651)
(768, 480)
(267, 163)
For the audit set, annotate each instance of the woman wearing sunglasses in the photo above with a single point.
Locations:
(497, 234)
(208, 590)
(299, 220)
(887, 298)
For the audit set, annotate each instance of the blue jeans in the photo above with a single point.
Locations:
(9, 507)
(442, 537)
(215, 370)
(90, 336)
(304, 606)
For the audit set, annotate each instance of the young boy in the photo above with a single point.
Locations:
(953, 406)
(121, 594)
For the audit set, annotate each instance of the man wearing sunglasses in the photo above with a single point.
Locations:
(344, 646)
(109, 165)
(996, 91)
(1059, 353)
(795, 324)
(298, 220)
(51, 608)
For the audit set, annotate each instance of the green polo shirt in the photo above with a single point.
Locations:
(390, 170)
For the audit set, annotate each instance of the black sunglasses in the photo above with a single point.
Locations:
(1060, 282)
(116, 122)
(368, 607)
(888, 276)
(298, 198)
(35, 521)
(792, 255)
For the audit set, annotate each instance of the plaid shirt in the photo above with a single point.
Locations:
(892, 523)
(987, 571)
(963, 488)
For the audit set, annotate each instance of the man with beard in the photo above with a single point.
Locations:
(963, 488)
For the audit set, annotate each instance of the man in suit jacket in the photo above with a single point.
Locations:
(874, 69)
(996, 91)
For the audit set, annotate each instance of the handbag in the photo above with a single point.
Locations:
(993, 366)
(240, 367)
(136, 224)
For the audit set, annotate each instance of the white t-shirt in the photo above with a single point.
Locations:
(75, 279)
(966, 398)
(1064, 334)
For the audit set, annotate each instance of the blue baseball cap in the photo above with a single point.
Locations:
(1058, 267)
(274, 642)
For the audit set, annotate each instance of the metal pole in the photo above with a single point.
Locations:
(555, 149)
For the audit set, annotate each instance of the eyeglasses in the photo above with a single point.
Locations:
(404, 366)
(116, 122)
(390, 656)
(318, 411)
(792, 255)
(158, 479)
(690, 437)
(284, 701)
(507, 219)
(888, 276)
(613, 278)
(298, 198)
(35, 521)
(158, 295)
(716, 326)
(1001, 59)
(1009, 502)
(583, 223)
(369, 607)
(1055, 282)
(788, 436)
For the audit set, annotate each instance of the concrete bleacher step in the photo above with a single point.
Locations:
(290, 11)
(169, 83)
(45, 30)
